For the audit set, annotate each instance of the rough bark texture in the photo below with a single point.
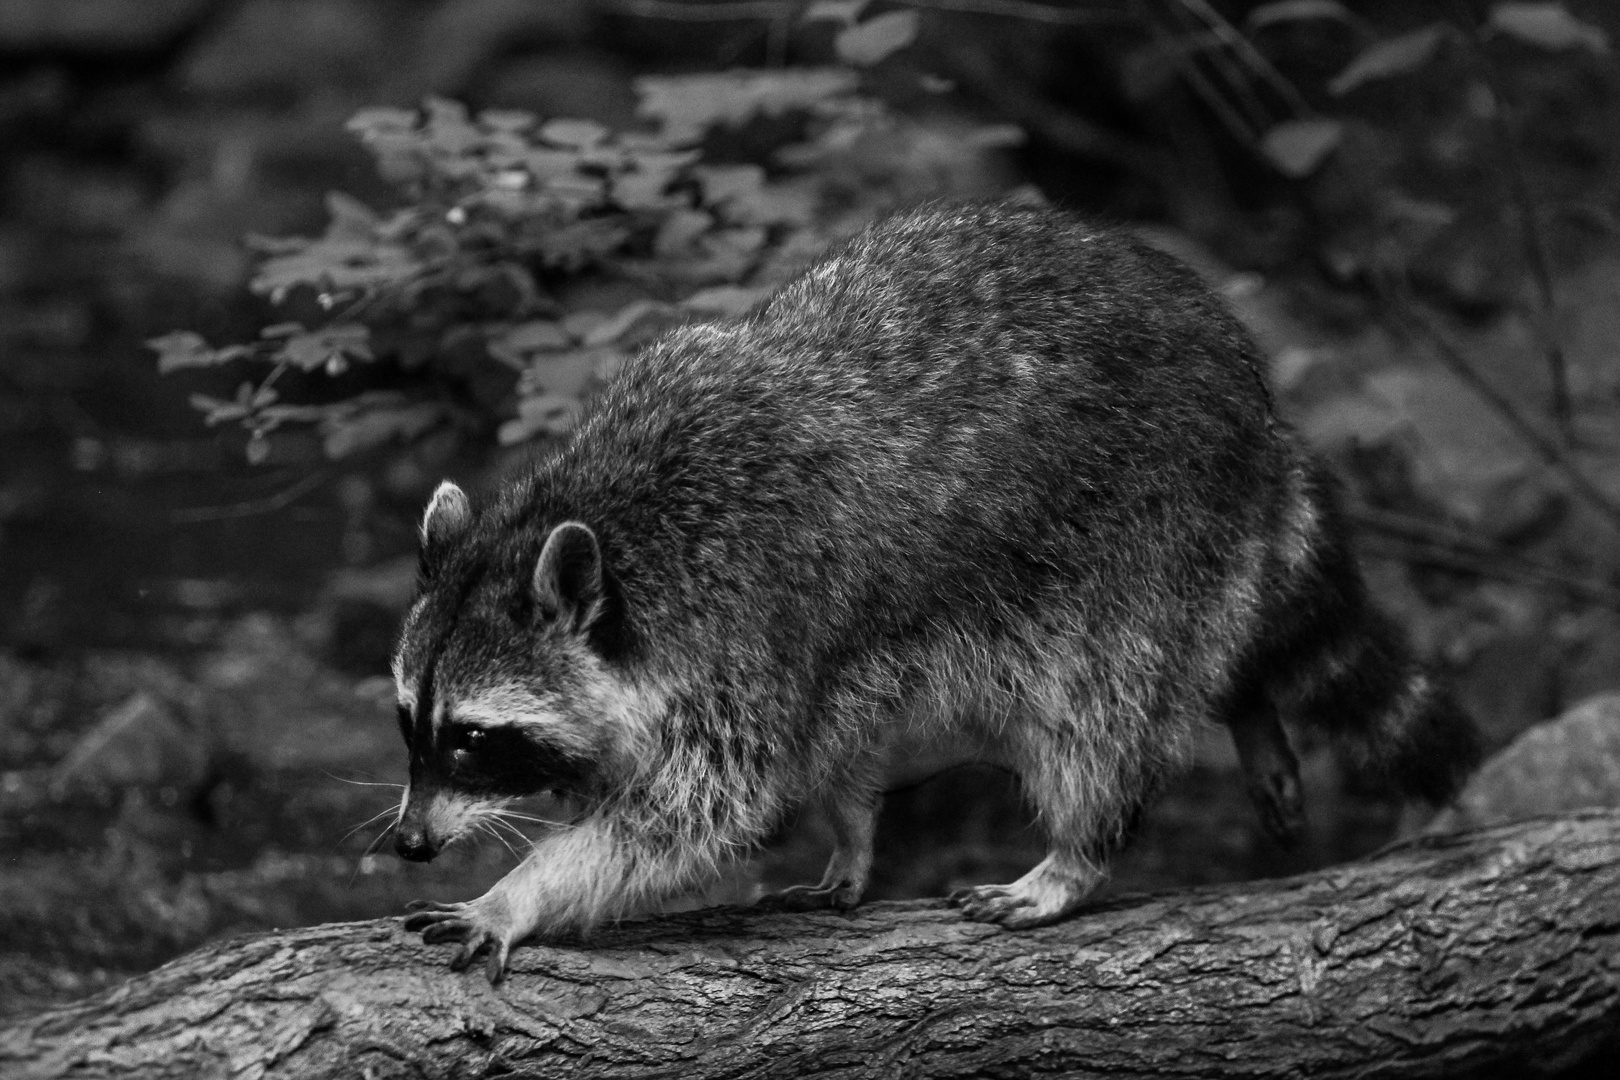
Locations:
(1496, 951)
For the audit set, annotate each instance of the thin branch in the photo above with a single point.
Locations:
(701, 11)
(1244, 48)
(1549, 449)
(1072, 134)
(1535, 243)
(192, 515)
(1427, 543)
(1240, 87)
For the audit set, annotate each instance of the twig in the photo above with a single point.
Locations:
(676, 11)
(1535, 244)
(1549, 449)
(1433, 544)
(1246, 102)
(269, 504)
(1243, 47)
(1073, 134)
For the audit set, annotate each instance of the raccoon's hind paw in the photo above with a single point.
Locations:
(1044, 895)
(468, 924)
(810, 898)
(1280, 801)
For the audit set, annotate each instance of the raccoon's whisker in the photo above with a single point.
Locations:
(487, 827)
(522, 836)
(363, 783)
(513, 815)
(368, 821)
(371, 847)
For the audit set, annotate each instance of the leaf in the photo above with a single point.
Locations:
(1397, 56)
(725, 299)
(679, 229)
(448, 130)
(1462, 454)
(721, 183)
(689, 105)
(351, 218)
(216, 410)
(368, 122)
(573, 246)
(625, 319)
(1298, 147)
(349, 434)
(566, 375)
(574, 134)
(335, 264)
(839, 11)
(871, 41)
(185, 349)
(533, 336)
(550, 413)
(329, 347)
(506, 120)
(1297, 11)
(643, 191)
(1549, 26)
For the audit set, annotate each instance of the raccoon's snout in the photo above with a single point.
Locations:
(411, 842)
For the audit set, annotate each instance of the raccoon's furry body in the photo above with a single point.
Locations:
(986, 482)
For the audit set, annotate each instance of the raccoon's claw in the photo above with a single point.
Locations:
(440, 923)
(430, 905)
(810, 898)
(1001, 904)
(1280, 802)
(1046, 894)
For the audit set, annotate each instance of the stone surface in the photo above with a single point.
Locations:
(1570, 763)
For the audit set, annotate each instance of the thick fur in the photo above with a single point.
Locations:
(986, 482)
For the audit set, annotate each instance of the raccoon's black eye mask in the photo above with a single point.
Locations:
(506, 761)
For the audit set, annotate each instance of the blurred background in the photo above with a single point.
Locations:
(270, 269)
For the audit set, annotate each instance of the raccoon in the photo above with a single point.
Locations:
(987, 483)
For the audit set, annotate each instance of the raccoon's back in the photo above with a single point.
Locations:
(964, 411)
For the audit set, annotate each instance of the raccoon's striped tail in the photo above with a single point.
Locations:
(1328, 659)
(1365, 690)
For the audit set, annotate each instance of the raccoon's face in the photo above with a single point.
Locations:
(502, 690)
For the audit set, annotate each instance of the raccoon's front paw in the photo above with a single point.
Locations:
(477, 923)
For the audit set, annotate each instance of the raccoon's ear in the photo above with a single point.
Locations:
(567, 580)
(448, 515)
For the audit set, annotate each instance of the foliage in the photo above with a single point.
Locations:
(545, 248)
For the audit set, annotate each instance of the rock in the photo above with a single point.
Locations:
(1569, 763)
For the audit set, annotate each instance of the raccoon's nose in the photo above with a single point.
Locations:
(412, 843)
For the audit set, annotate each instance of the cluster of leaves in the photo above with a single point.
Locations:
(509, 219)
(1299, 146)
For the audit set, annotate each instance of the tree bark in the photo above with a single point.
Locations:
(1479, 953)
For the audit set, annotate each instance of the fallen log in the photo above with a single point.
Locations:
(1482, 953)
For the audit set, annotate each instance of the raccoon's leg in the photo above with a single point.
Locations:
(852, 808)
(1269, 765)
(1088, 779)
(572, 880)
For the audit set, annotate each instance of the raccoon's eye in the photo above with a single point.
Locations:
(467, 739)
